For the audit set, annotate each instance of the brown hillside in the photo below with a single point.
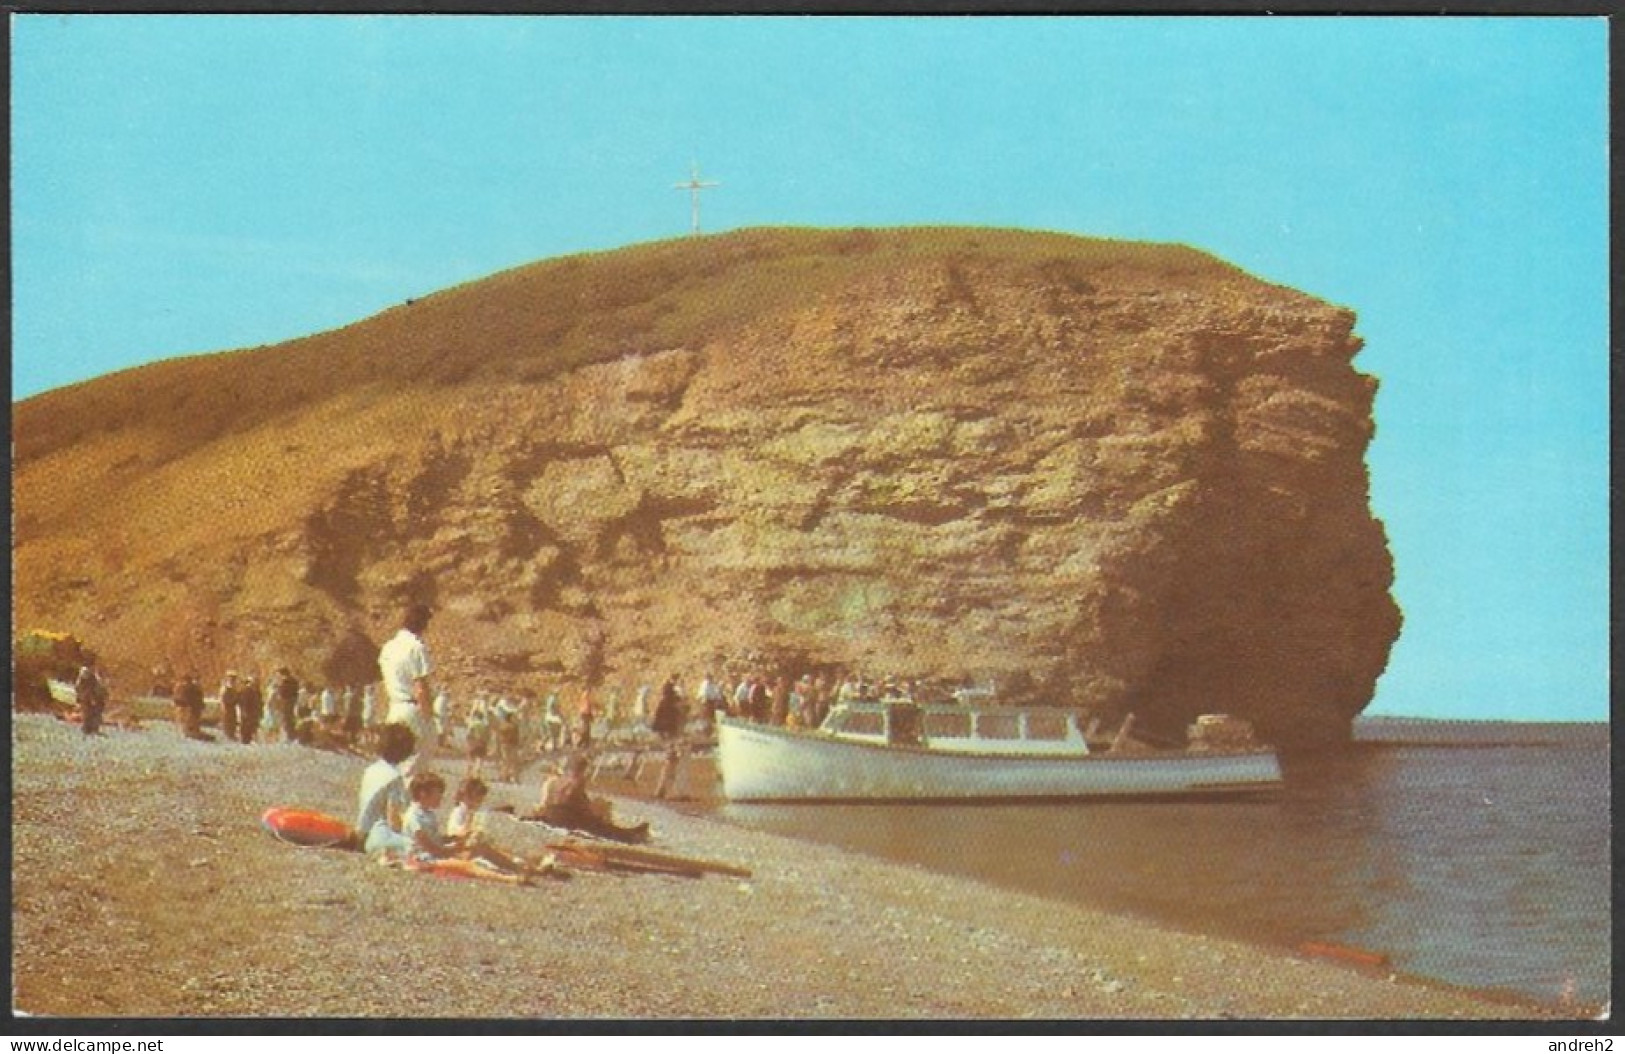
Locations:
(1129, 472)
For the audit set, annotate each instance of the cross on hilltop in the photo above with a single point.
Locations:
(694, 186)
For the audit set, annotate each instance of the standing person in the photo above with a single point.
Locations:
(584, 721)
(370, 717)
(442, 718)
(352, 716)
(270, 719)
(821, 693)
(553, 731)
(800, 709)
(189, 706)
(667, 722)
(779, 711)
(287, 703)
(404, 663)
(712, 700)
(507, 735)
(90, 692)
(249, 707)
(761, 702)
(477, 739)
(229, 701)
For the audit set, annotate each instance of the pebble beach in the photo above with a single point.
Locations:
(144, 886)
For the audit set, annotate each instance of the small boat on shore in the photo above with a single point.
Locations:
(901, 751)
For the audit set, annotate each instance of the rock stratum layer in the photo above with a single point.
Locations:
(1129, 477)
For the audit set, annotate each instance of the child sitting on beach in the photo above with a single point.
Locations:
(466, 828)
(432, 850)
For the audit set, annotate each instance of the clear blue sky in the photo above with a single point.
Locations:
(186, 184)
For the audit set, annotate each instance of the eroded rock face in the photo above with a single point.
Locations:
(1131, 475)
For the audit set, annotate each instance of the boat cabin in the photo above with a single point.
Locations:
(958, 729)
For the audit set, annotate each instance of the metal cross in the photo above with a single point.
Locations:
(694, 186)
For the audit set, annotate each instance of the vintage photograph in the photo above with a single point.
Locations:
(543, 520)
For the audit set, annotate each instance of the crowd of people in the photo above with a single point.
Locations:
(415, 727)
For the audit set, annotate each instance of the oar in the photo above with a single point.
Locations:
(652, 858)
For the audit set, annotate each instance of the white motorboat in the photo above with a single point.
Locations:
(908, 752)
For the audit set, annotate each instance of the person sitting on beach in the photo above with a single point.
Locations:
(466, 828)
(565, 803)
(383, 801)
(431, 850)
(421, 824)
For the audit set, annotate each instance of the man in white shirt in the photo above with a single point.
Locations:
(404, 663)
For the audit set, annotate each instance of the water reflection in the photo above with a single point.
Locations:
(1484, 867)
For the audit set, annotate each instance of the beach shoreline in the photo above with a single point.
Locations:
(145, 887)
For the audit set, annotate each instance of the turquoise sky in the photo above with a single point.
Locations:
(192, 183)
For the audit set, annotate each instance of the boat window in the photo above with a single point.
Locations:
(861, 724)
(998, 726)
(947, 726)
(1046, 726)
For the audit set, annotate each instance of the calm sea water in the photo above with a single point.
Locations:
(1472, 852)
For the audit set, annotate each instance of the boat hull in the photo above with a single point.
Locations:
(760, 763)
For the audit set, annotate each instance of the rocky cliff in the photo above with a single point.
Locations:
(1129, 476)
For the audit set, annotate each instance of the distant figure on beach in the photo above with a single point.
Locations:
(353, 725)
(761, 700)
(553, 730)
(565, 803)
(287, 703)
(90, 693)
(779, 708)
(370, 715)
(189, 706)
(667, 722)
(442, 718)
(712, 699)
(229, 700)
(506, 720)
(382, 800)
(249, 709)
(404, 663)
(584, 721)
(477, 739)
